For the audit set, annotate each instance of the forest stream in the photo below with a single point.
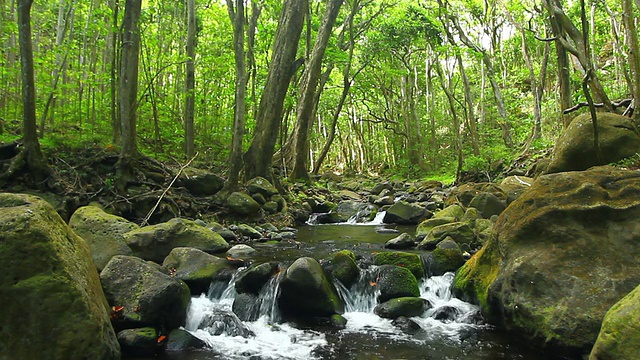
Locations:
(449, 329)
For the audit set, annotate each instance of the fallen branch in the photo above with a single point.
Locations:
(153, 209)
(614, 104)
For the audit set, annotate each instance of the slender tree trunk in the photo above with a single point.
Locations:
(454, 115)
(189, 103)
(236, 13)
(471, 116)
(128, 90)
(634, 53)
(258, 158)
(308, 95)
(113, 79)
(256, 9)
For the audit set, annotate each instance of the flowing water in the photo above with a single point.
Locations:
(449, 329)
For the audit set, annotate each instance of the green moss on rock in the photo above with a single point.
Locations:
(343, 267)
(395, 281)
(407, 260)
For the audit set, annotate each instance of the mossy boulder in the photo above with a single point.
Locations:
(306, 292)
(260, 185)
(103, 233)
(243, 204)
(547, 273)
(445, 258)
(52, 304)
(487, 204)
(460, 232)
(343, 267)
(467, 191)
(201, 182)
(394, 282)
(574, 151)
(425, 227)
(249, 231)
(407, 260)
(148, 297)
(454, 211)
(155, 242)
(254, 278)
(138, 342)
(619, 336)
(403, 212)
(404, 306)
(401, 242)
(195, 267)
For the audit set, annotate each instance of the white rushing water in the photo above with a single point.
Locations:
(353, 220)
(446, 319)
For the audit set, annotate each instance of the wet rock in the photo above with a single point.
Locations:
(246, 306)
(377, 189)
(155, 242)
(574, 151)
(103, 233)
(243, 204)
(306, 292)
(270, 207)
(360, 211)
(446, 257)
(240, 250)
(454, 211)
(425, 227)
(546, 274)
(403, 212)
(403, 306)
(394, 282)
(460, 232)
(138, 342)
(343, 267)
(406, 325)
(407, 260)
(385, 200)
(249, 231)
(619, 336)
(402, 242)
(220, 322)
(446, 313)
(182, 340)
(147, 296)
(52, 304)
(195, 267)
(260, 185)
(254, 278)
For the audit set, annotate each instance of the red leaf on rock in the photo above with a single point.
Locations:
(161, 338)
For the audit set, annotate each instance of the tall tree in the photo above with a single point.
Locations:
(128, 90)
(190, 81)
(309, 93)
(236, 13)
(634, 53)
(259, 156)
(30, 158)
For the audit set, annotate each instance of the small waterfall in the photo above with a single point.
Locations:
(268, 296)
(361, 297)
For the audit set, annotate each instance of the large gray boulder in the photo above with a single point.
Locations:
(306, 292)
(561, 255)
(243, 204)
(52, 304)
(403, 212)
(574, 150)
(147, 296)
(201, 182)
(104, 233)
(619, 336)
(155, 242)
(195, 267)
(260, 185)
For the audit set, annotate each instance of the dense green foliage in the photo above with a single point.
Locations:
(396, 118)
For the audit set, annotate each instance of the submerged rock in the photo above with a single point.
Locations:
(104, 233)
(220, 322)
(547, 273)
(155, 242)
(52, 304)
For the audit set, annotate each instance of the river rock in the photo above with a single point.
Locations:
(348, 209)
(561, 255)
(394, 282)
(454, 211)
(407, 260)
(148, 296)
(402, 242)
(243, 204)
(377, 189)
(514, 186)
(249, 231)
(182, 340)
(426, 226)
(240, 250)
(574, 149)
(138, 342)
(343, 267)
(246, 306)
(487, 204)
(260, 185)
(404, 306)
(201, 182)
(254, 278)
(619, 336)
(219, 322)
(104, 233)
(52, 304)
(155, 242)
(446, 257)
(195, 267)
(404, 213)
(460, 232)
(467, 191)
(306, 292)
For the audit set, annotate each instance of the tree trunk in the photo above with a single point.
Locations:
(128, 90)
(236, 13)
(113, 60)
(634, 53)
(309, 87)
(258, 158)
(189, 102)
(454, 115)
